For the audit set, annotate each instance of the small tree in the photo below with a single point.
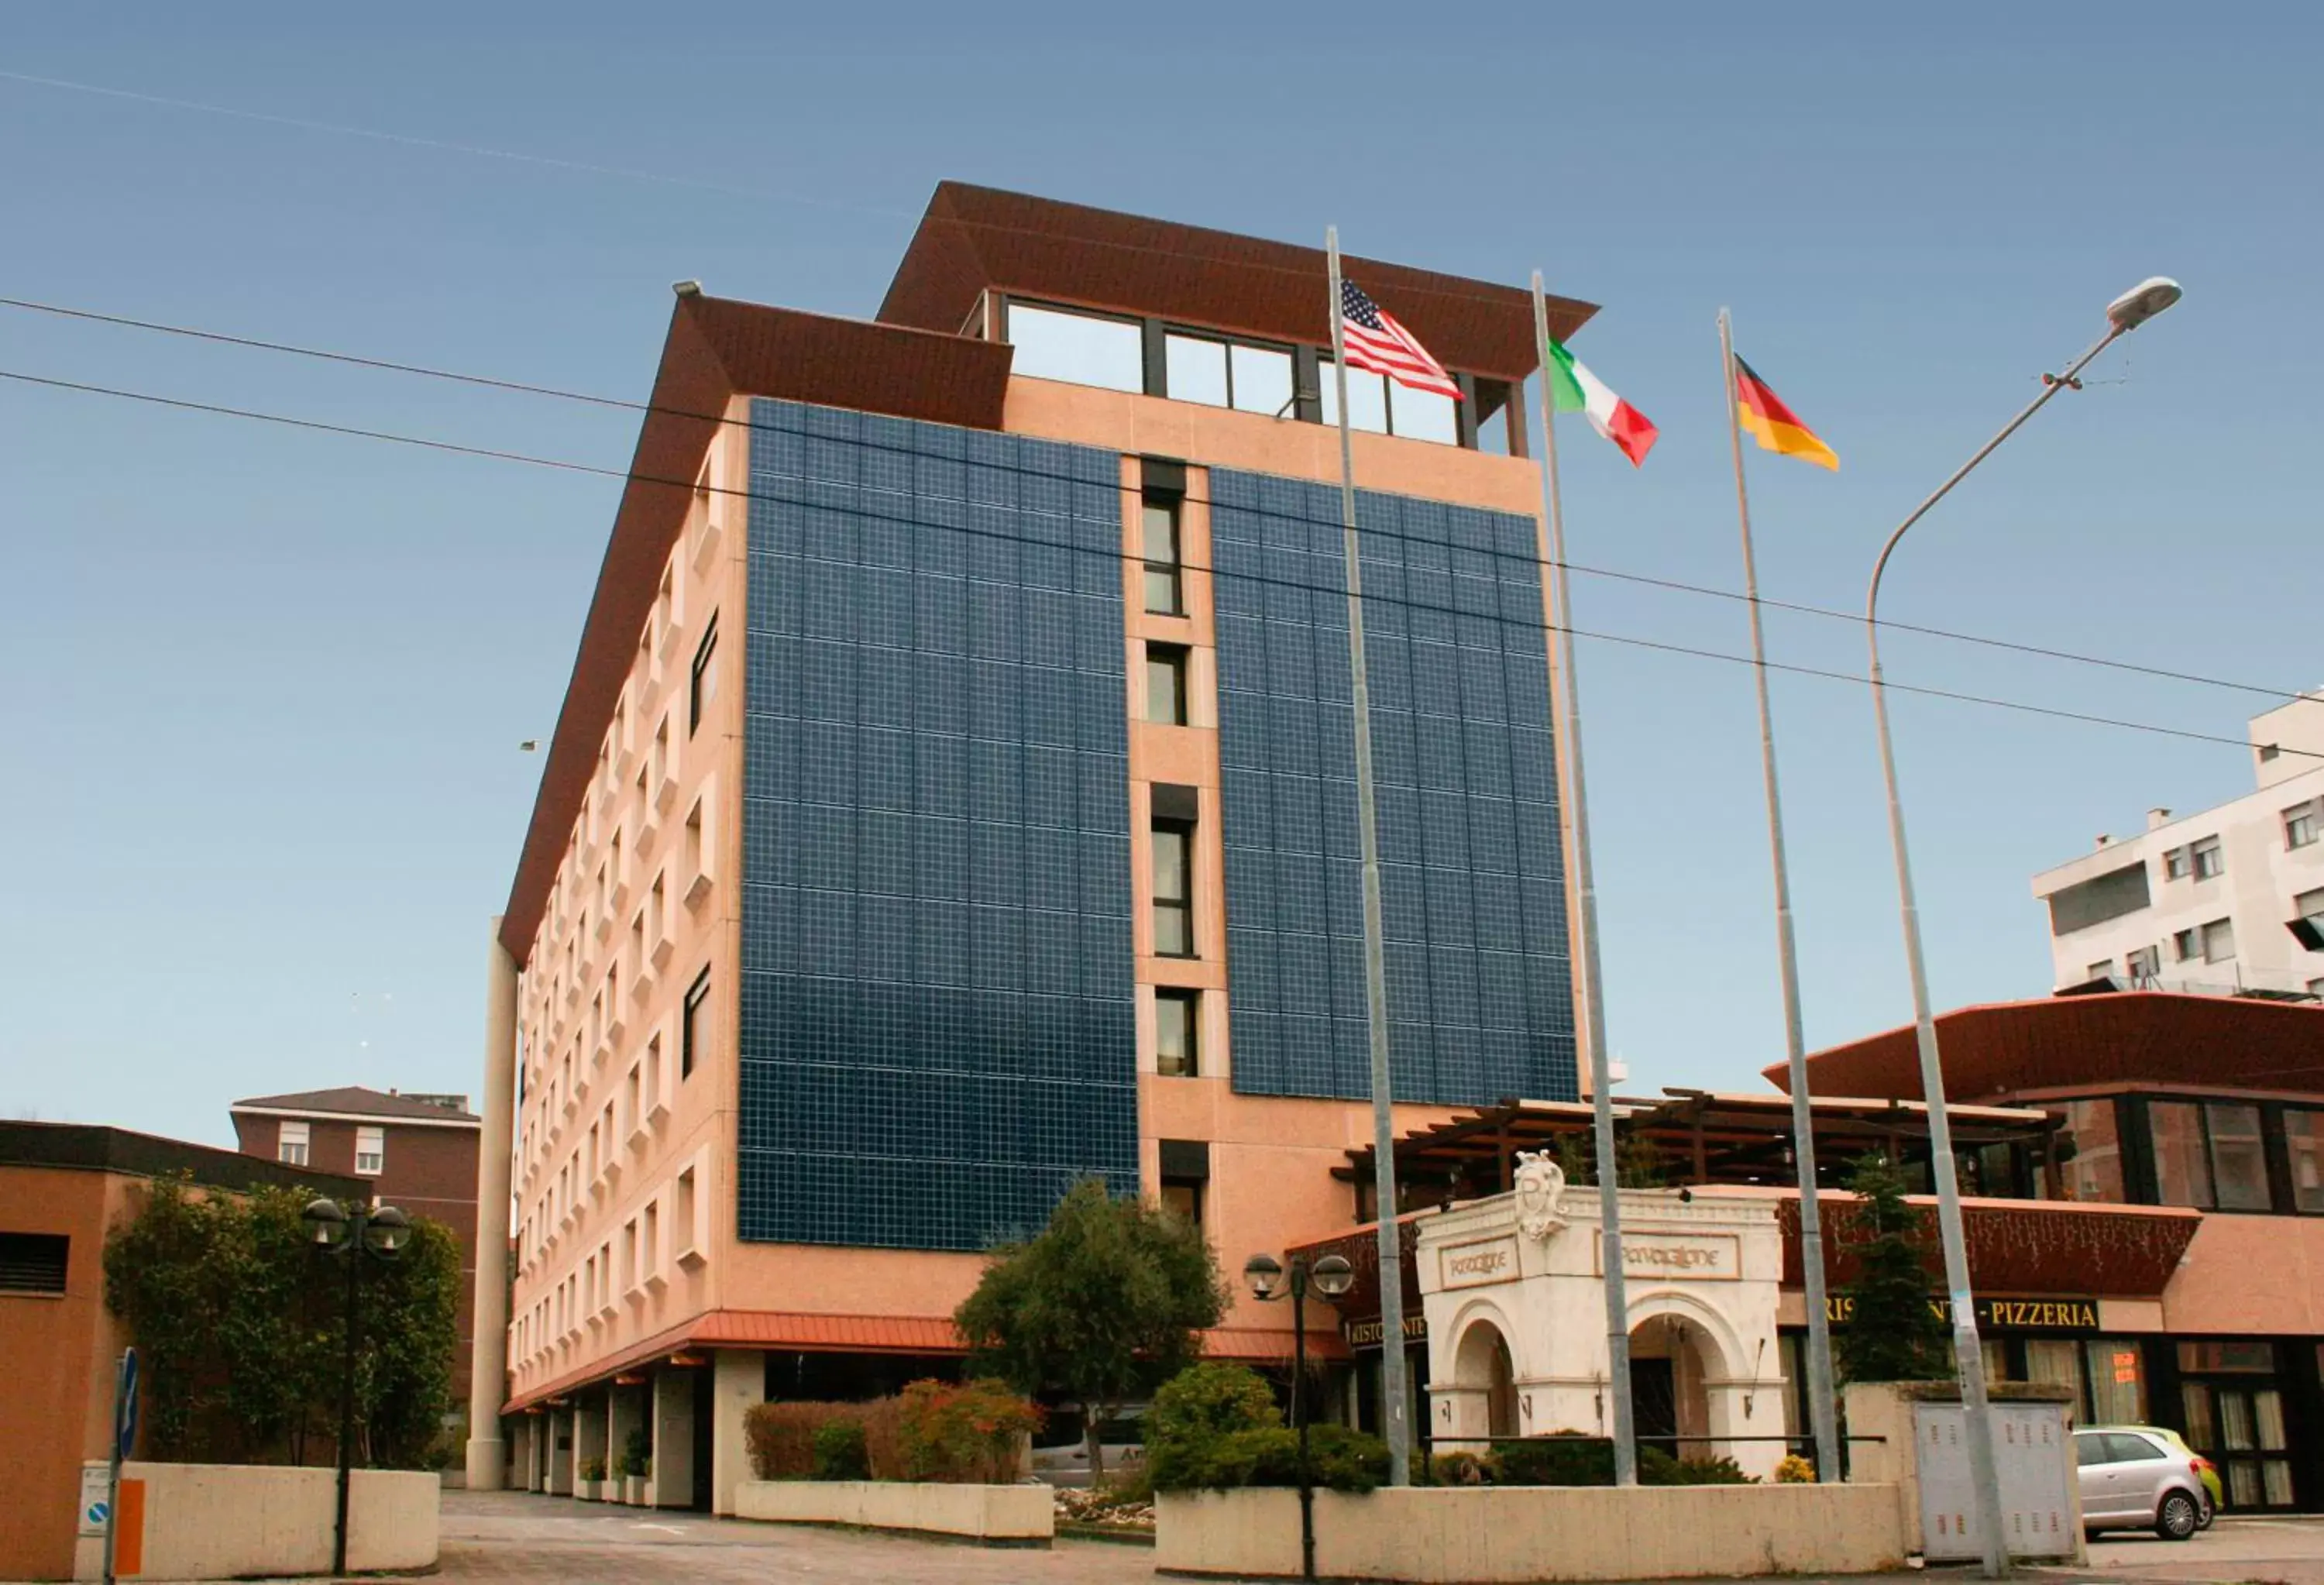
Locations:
(1893, 1332)
(1109, 1298)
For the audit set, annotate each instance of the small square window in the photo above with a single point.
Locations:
(2268, 751)
(2210, 861)
(35, 1263)
(2300, 826)
(1177, 1032)
(2174, 864)
(2186, 945)
(1184, 1199)
(1166, 685)
(2219, 941)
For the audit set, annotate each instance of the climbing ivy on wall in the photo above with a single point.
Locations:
(239, 1323)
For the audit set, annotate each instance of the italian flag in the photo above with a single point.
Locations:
(1572, 388)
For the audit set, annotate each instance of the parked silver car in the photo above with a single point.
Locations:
(2132, 1480)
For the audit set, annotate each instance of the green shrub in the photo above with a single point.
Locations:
(968, 1432)
(781, 1436)
(1563, 1459)
(1191, 1411)
(1343, 1460)
(1463, 1470)
(640, 1453)
(839, 1452)
(1132, 1486)
(1657, 1468)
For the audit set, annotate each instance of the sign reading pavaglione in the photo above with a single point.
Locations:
(1466, 1265)
(1685, 1257)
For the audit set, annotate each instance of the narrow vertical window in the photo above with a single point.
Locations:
(290, 1145)
(702, 683)
(1174, 889)
(694, 1027)
(1176, 1039)
(1165, 595)
(371, 1151)
(1166, 685)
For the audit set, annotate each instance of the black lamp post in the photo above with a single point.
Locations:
(353, 1234)
(1330, 1276)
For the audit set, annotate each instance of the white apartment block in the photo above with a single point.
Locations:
(2228, 900)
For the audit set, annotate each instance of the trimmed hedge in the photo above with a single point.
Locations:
(959, 1434)
(1214, 1427)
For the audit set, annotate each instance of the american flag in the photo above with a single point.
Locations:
(1375, 341)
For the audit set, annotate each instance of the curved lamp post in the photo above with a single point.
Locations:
(353, 1233)
(2125, 313)
(1331, 1276)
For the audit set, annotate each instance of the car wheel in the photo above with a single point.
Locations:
(2176, 1518)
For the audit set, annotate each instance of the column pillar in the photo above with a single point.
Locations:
(740, 1383)
(589, 1434)
(488, 1456)
(671, 1415)
(621, 1419)
(560, 1451)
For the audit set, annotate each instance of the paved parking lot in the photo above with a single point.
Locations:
(2234, 1549)
(511, 1535)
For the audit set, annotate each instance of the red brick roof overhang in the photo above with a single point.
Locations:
(2020, 1246)
(2131, 1037)
(972, 239)
(718, 348)
(798, 1332)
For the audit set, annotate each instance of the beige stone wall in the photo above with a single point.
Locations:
(1004, 1515)
(249, 1521)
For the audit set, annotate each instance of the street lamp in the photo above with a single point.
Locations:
(355, 1233)
(2125, 313)
(1331, 1276)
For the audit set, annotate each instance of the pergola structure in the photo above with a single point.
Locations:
(1703, 1137)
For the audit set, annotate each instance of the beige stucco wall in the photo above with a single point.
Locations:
(1534, 1533)
(246, 1520)
(1020, 1515)
(2249, 1274)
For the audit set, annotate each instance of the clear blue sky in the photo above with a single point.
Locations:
(263, 690)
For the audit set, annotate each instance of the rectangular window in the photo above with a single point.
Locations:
(2310, 905)
(2210, 861)
(2174, 864)
(2143, 963)
(2102, 969)
(2238, 1159)
(1185, 1200)
(1367, 397)
(2182, 1168)
(1196, 368)
(371, 1151)
(1166, 685)
(292, 1145)
(702, 682)
(2300, 826)
(1174, 889)
(2118, 1381)
(2186, 945)
(1081, 349)
(694, 1028)
(1176, 1038)
(1164, 594)
(33, 1263)
(2094, 1174)
(2303, 1141)
(1262, 379)
(2219, 941)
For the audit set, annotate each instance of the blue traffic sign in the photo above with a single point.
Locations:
(124, 1405)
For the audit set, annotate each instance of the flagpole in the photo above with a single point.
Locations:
(1823, 1422)
(1590, 1027)
(1394, 1393)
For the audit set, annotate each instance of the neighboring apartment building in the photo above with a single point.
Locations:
(2230, 900)
(954, 797)
(63, 1188)
(417, 1152)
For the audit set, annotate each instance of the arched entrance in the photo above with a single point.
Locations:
(1483, 1365)
(1671, 1363)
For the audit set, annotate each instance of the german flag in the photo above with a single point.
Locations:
(1777, 427)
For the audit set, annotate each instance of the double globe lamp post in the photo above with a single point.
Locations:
(1331, 1276)
(355, 1233)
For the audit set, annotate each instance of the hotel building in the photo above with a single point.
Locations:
(954, 797)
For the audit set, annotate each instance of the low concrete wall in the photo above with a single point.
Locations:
(240, 1521)
(998, 1516)
(1473, 1536)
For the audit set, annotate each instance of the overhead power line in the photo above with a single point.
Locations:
(526, 388)
(222, 410)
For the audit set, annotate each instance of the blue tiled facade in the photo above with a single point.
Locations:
(938, 1026)
(1478, 987)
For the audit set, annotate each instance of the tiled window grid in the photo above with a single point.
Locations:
(1478, 986)
(937, 1029)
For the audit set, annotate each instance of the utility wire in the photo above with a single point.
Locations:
(1676, 585)
(566, 465)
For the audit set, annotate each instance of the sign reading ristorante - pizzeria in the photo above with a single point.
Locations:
(1996, 1314)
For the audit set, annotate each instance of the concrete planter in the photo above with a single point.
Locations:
(1486, 1535)
(633, 1490)
(996, 1516)
(248, 1521)
(588, 1491)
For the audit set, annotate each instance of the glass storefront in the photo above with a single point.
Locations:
(2233, 1402)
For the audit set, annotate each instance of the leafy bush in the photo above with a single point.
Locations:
(1566, 1458)
(638, 1454)
(781, 1436)
(1463, 1470)
(965, 1432)
(839, 1452)
(883, 1439)
(1132, 1487)
(1657, 1468)
(593, 1469)
(1795, 1471)
(1192, 1411)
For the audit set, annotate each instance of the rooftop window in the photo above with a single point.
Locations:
(1082, 349)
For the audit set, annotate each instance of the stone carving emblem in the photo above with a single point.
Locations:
(1540, 1185)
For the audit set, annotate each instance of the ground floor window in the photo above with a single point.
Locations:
(2235, 1412)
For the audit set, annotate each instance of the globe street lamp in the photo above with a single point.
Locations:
(355, 1233)
(1331, 1276)
(2125, 313)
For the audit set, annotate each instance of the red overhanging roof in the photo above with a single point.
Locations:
(2131, 1037)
